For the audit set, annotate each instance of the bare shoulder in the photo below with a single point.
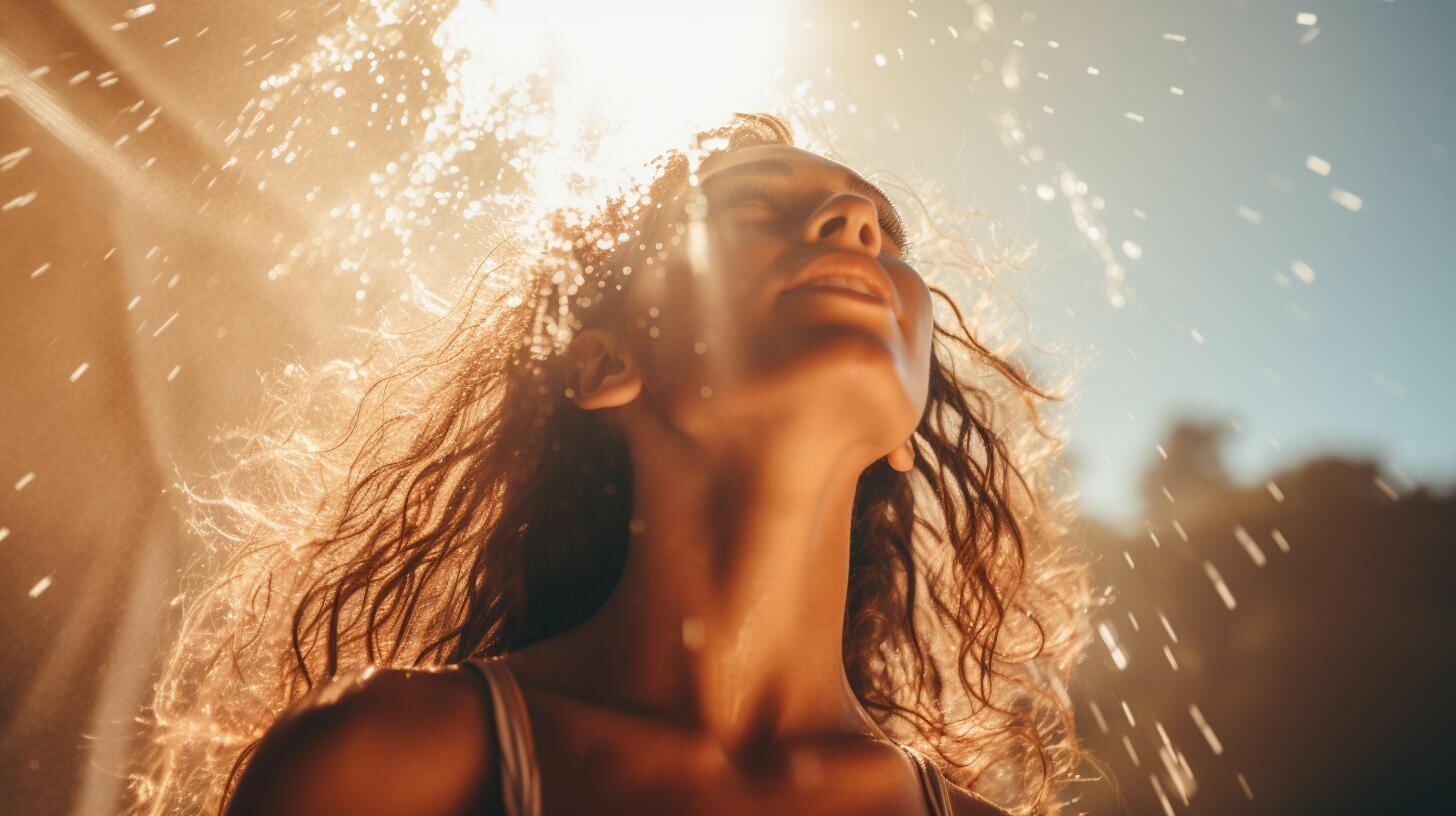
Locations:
(379, 742)
(965, 803)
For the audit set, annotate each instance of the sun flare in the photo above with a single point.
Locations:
(610, 79)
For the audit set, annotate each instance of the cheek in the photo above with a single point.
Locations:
(742, 258)
(732, 297)
(685, 320)
(733, 265)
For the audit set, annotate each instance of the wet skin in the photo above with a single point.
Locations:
(711, 681)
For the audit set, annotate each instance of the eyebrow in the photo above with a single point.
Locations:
(781, 169)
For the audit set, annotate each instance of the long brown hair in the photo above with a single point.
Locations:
(469, 511)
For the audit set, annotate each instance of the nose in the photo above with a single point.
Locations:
(845, 221)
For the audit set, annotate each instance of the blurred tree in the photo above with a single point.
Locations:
(1188, 468)
(1277, 648)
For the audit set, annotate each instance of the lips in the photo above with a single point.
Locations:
(847, 273)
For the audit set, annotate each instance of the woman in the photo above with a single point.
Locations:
(690, 516)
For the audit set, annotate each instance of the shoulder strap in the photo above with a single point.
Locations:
(932, 781)
(520, 780)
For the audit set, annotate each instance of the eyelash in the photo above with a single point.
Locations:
(742, 194)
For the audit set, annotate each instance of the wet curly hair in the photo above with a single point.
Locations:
(469, 512)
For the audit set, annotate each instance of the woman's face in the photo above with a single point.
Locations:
(793, 302)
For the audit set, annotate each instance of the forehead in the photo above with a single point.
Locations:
(800, 160)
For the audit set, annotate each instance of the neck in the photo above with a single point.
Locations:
(728, 616)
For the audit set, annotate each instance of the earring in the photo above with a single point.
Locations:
(902, 458)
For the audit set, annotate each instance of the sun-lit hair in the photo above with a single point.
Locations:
(470, 510)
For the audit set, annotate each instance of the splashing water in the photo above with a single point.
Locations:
(407, 139)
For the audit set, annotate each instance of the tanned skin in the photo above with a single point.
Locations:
(711, 681)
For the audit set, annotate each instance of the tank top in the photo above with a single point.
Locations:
(520, 776)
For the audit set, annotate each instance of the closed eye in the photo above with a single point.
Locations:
(743, 195)
(891, 227)
(889, 224)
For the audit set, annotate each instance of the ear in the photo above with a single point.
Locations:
(600, 371)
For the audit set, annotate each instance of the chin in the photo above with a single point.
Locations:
(844, 376)
(847, 375)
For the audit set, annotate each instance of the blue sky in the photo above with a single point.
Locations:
(1354, 361)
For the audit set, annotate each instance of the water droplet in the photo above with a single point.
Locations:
(1203, 727)
(1224, 593)
(1244, 786)
(1109, 639)
(1346, 199)
(1302, 271)
(19, 201)
(1250, 546)
(40, 586)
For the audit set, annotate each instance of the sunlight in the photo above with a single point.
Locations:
(609, 80)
